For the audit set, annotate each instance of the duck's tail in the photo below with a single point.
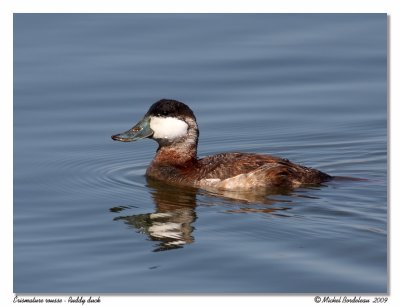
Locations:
(348, 178)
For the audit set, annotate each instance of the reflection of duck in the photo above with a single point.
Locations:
(173, 125)
(171, 223)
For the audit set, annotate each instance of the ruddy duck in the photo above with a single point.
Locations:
(173, 125)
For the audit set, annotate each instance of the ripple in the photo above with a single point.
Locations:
(95, 174)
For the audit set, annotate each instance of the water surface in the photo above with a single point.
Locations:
(311, 88)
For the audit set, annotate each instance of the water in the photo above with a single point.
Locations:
(311, 88)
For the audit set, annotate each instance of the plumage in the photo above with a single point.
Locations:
(176, 159)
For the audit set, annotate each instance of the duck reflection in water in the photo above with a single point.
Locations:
(171, 225)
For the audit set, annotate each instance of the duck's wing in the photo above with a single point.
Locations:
(227, 165)
(244, 170)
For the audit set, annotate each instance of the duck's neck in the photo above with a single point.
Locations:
(176, 154)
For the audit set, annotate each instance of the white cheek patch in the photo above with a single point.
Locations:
(168, 127)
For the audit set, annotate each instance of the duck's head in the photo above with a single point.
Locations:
(167, 122)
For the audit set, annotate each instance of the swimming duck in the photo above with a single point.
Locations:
(173, 125)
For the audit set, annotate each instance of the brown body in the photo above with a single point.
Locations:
(233, 171)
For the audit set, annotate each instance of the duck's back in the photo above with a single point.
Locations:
(246, 171)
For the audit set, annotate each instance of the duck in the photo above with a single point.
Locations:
(173, 125)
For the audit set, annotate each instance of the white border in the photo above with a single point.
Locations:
(8, 7)
(205, 6)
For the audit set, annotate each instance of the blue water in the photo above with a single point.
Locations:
(311, 88)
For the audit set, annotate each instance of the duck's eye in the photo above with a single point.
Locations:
(163, 113)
